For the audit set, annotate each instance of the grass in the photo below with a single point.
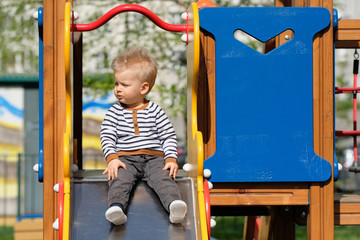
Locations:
(231, 228)
(6, 233)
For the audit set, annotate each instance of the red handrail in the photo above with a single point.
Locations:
(207, 205)
(61, 209)
(127, 8)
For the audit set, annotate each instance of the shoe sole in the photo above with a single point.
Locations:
(177, 213)
(116, 217)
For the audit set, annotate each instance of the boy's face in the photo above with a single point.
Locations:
(128, 89)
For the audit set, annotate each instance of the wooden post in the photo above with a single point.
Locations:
(54, 108)
(77, 112)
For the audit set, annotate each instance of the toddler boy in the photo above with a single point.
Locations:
(138, 140)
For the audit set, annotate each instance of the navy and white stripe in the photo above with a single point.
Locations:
(156, 132)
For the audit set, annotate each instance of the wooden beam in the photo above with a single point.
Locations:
(347, 209)
(251, 228)
(49, 197)
(77, 102)
(54, 109)
(347, 44)
(283, 223)
(347, 34)
(348, 29)
(259, 194)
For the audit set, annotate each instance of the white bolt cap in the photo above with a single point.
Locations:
(35, 15)
(75, 168)
(36, 168)
(188, 167)
(186, 15)
(207, 173)
(212, 223)
(210, 185)
(186, 38)
(56, 187)
(339, 15)
(56, 224)
(340, 166)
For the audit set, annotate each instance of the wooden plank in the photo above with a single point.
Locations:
(60, 88)
(346, 198)
(259, 194)
(282, 3)
(31, 225)
(49, 165)
(347, 219)
(54, 108)
(28, 236)
(347, 44)
(348, 34)
(347, 209)
(251, 230)
(266, 225)
(283, 223)
(348, 29)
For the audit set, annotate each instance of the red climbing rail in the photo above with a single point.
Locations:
(130, 8)
(354, 90)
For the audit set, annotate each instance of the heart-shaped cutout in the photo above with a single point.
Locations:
(263, 47)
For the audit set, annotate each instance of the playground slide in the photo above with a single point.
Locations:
(147, 219)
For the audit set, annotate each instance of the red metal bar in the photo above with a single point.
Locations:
(130, 8)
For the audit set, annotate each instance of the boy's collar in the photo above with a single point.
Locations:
(142, 107)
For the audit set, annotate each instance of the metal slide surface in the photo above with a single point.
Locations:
(147, 219)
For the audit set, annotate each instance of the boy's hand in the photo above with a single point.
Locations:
(112, 168)
(173, 168)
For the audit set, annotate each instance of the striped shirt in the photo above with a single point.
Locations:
(142, 131)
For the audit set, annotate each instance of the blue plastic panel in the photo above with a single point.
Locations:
(264, 102)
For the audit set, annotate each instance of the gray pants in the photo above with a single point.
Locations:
(149, 169)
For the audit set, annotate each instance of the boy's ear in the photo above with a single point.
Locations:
(145, 88)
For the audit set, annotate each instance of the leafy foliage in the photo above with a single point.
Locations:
(18, 38)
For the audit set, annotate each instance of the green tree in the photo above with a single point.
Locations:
(19, 37)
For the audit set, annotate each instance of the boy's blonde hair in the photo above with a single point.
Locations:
(141, 57)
